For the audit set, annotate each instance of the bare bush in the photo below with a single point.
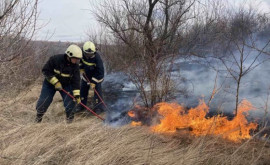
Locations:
(231, 36)
(18, 26)
(243, 47)
(147, 35)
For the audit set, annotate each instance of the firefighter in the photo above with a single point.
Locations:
(92, 74)
(61, 72)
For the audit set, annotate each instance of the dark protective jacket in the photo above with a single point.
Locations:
(93, 68)
(58, 68)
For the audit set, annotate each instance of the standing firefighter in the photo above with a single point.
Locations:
(61, 72)
(92, 73)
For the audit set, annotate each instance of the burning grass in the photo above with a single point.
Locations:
(89, 141)
(174, 118)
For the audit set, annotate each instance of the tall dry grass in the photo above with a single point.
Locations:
(88, 141)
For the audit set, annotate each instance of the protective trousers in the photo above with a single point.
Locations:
(46, 97)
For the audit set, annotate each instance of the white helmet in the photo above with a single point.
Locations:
(89, 47)
(74, 51)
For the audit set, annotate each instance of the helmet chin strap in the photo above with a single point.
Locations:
(68, 58)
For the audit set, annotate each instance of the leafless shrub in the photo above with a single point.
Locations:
(18, 26)
(147, 36)
(244, 50)
(231, 37)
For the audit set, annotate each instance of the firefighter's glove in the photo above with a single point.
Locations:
(82, 71)
(78, 99)
(92, 85)
(58, 86)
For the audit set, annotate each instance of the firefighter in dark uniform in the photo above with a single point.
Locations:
(92, 74)
(61, 72)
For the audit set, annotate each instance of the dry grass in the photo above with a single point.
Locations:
(89, 141)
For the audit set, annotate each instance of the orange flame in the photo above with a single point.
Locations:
(134, 123)
(174, 118)
(131, 113)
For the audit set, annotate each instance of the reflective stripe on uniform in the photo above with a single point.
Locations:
(76, 92)
(61, 74)
(96, 80)
(82, 71)
(53, 80)
(88, 63)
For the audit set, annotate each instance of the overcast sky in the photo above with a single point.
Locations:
(65, 20)
(69, 20)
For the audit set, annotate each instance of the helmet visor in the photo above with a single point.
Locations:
(89, 51)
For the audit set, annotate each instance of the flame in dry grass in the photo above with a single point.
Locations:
(131, 113)
(134, 123)
(174, 118)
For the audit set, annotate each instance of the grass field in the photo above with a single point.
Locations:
(88, 141)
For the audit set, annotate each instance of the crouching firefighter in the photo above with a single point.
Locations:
(61, 72)
(92, 74)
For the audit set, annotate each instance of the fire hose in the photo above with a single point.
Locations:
(88, 81)
(83, 105)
